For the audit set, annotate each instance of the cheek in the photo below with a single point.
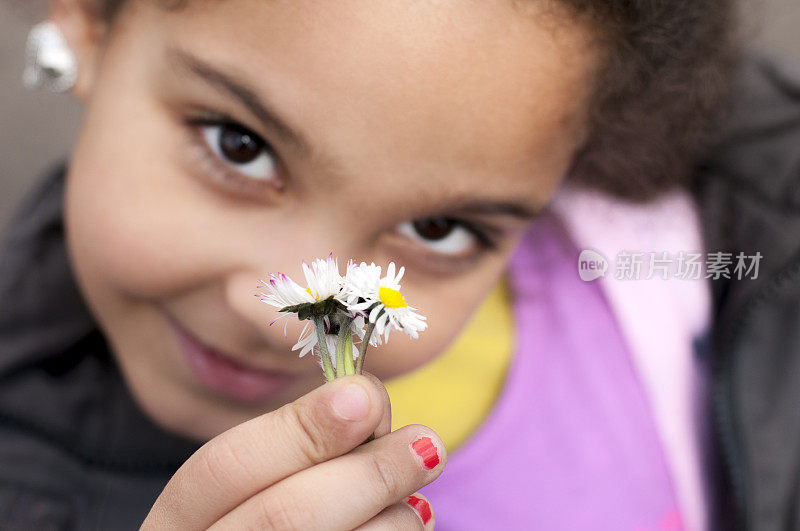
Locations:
(127, 234)
(132, 219)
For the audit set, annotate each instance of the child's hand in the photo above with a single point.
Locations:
(301, 467)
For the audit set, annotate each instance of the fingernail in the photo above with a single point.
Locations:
(421, 507)
(351, 402)
(427, 451)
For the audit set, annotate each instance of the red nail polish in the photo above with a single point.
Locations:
(425, 448)
(422, 507)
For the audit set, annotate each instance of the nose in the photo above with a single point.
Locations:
(242, 289)
(241, 293)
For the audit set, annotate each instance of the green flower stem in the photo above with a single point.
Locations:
(349, 368)
(344, 344)
(362, 353)
(362, 348)
(344, 331)
(319, 324)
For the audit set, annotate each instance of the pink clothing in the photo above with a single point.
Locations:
(659, 318)
(594, 428)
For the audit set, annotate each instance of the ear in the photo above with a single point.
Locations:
(85, 32)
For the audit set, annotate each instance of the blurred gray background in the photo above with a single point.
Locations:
(38, 128)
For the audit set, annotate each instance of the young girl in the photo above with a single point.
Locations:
(223, 141)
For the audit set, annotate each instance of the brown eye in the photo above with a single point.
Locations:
(238, 145)
(441, 235)
(241, 149)
(434, 229)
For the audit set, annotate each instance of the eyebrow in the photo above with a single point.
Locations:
(497, 208)
(232, 84)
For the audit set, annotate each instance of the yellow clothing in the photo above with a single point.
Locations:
(454, 393)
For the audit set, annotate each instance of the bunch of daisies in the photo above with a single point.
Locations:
(361, 303)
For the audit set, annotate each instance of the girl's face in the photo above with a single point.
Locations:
(227, 140)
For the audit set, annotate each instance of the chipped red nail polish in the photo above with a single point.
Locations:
(422, 507)
(425, 448)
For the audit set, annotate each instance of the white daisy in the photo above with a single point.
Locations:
(281, 291)
(361, 287)
(361, 282)
(385, 303)
(363, 301)
(323, 278)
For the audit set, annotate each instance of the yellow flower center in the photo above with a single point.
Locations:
(391, 298)
(316, 297)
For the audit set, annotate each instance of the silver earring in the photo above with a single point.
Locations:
(50, 64)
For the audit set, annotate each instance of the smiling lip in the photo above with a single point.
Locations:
(226, 376)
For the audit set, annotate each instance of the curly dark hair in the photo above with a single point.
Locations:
(658, 98)
(661, 95)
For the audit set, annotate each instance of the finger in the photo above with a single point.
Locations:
(385, 425)
(345, 492)
(321, 425)
(414, 512)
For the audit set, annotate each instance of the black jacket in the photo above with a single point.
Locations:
(749, 193)
(76, 452)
